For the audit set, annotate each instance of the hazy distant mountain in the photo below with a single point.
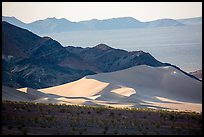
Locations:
(53, 25)
(163, 23)
(47, 25)
(14, 21)
(191, 21)
(113, 23)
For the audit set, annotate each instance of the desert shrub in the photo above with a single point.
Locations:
(36, 119)
(145, 117)
(144, 133)
(157, 125)
(24, 131)
(161, 115)
(100, 110)
(200, 121)
(10, 127)
(172, 127)
(140, 130)
(62, 110)
(105, 130)
(3, 108)
(73, 129)
(110, 107)
(48, 111)
(82, 112)
(80, 132)
(111, 114)
(20, 127)
(178, 130)
(171, 117)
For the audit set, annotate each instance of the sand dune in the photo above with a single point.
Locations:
(140, 86)
(152, 81)
(80, 88)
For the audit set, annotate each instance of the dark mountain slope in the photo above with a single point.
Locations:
(33, 61)
(109, 59)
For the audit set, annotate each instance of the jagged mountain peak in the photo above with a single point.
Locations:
(102, 47)
(56, 19)
(123, 19)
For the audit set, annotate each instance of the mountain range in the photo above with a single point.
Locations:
(38, 62)
(54, 25)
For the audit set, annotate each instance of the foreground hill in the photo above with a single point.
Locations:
(140, 86)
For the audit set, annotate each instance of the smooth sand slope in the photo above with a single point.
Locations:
(140, 86)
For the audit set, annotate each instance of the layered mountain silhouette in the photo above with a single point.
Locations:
(38, 62)
(54, 25)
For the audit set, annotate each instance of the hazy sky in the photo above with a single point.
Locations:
(77, 11)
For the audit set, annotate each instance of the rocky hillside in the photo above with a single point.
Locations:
(33, 61)
(109, 59)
